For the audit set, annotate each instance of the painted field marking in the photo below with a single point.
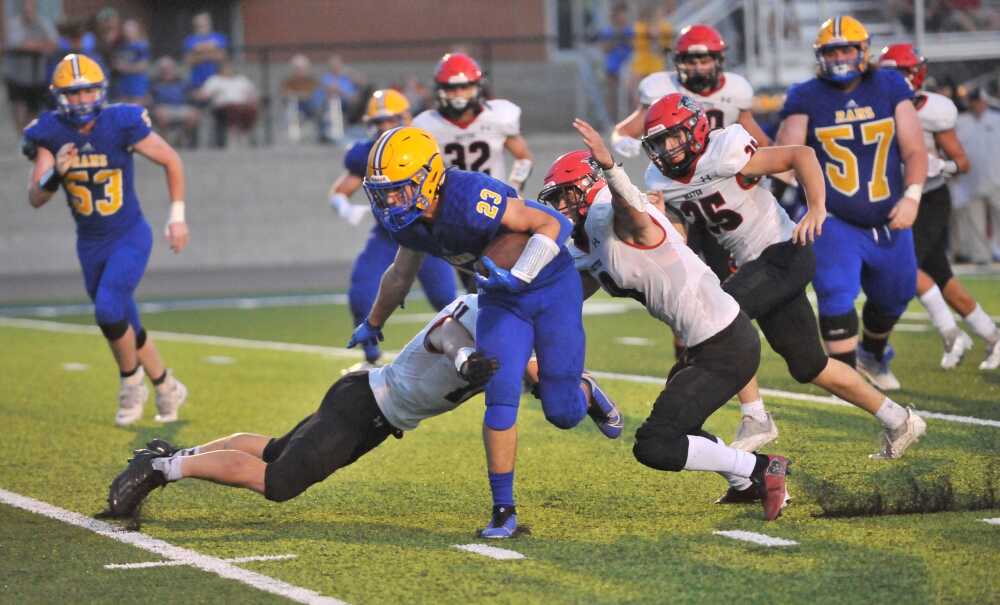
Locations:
(219, 360)
(176, 563)
(993, 521)
(268, 345)
(75, 366)
(634, 341)
(492, 552)
(170, 552)
(750, 536)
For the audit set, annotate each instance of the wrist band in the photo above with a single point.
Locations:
(176, 212)
(914, 191)
(50, 181)
(462, 356)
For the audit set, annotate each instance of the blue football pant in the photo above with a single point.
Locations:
(112, 270)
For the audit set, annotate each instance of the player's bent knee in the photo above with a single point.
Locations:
(113, 330)
(661, 454)
(563, 418)
(805, 368)
(879, 321)
(839, 327)
(563, 402)
(500, 417)
(289, 476)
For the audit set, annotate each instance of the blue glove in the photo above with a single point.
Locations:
(499, 279)
(364, 334)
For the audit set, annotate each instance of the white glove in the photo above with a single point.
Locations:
(354, 214)
(934, 165)
(625, 146)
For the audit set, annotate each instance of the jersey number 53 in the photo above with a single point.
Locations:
(101, 191)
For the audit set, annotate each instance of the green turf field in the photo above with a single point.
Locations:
(604, 528)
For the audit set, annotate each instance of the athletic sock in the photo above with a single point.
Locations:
(170, 467)
(707, 455)
(735, 481)
(939, 312)
(502, 487)
(849, 357)
(189, 451)
(754, 409)
(891, 414)
(982, 325)
(158, 381)
(875, 346)
(132, 378)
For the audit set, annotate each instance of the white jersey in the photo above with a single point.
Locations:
(420, 383)
(744, 217)
(722, 106)
(478, 147)
(673, 284)
(937, 113)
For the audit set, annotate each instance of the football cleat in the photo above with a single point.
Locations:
(992, 360)
(770, 484)
(753, 434)
(878, 372)
(896, 441)
(955, 349)
(503, 524)
(131, 399)
(133, 484)
(740, 496)
(162, 446)
(170, 399)
(603, 411)
(361, 366)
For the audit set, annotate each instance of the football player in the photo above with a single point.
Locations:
(628, 247)
(937, 286)
(85, 147)
(386, 109)
(536, 304)
(862, 124)
(434, 373)
(710, 178)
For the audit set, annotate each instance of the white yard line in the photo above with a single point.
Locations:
(994, 521)
(170, 552)
(176, 563)
(245, 343)
(750, 536)
(492, 552)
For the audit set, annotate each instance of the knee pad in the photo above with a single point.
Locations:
(877, 321)
(661, 454)
(500, 417)
(140, 339)
(805, 368)
(563, 402)
(839, 327)
(114, 330)
(939, 270)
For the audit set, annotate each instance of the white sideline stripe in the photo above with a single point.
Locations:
(150, 564)
(750, 536)
(267, 345)
(634, 341)
(993, 521)
(174, 553)
(74, 366)
(492, 552)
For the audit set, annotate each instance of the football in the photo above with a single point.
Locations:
(504, 250)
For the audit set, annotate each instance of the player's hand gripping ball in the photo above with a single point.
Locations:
(478, 369)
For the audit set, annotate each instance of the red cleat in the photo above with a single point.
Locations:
(771, 484)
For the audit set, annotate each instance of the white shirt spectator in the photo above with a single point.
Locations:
(224, 90)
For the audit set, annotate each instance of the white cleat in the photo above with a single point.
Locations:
(170, 399)
(754, 434)
(131, 399)
(992, 360)
(878, 372)
(896, 441)
(361, 366)
(956, 350)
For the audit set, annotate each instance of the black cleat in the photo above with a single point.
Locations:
(161, 446)
(133, 484)
(740, 496)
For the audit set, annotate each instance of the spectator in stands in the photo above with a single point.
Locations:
(109, 39)
(341, 96)
(131, 64)
(302, 96)
(616, 41)
(30, 39)
(204, 50)
(970, 15)
(654, 37)
(976, 194)
(175, 117)
(233, 98)
(75, 37)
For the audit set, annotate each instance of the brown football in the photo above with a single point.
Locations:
(504, 250)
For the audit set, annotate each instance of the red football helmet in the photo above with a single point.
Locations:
(696, 41)
(572, 183)
(903, 58)
(457, 70)
(675, 117)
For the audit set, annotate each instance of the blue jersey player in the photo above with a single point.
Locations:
(537, 304)
(867, 136)
(386, 109)
(86, 148)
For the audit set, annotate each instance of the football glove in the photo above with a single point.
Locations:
(477, 369)
(499, 279)
(365, 333)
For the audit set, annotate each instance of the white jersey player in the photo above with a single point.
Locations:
(727, 97)
(710, 177)
(631, 249)
(436, 371)
(473, 132)
(937, 287)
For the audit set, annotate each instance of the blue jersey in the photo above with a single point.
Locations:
(471, 206)
(99, 185)
(356, 160)
(854, 135)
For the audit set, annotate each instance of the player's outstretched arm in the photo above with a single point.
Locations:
(345, 185)
(45, 174)
(520, 170)
(395, 285)
(452, 340)
(625, 135)
(157, 150)
(549, 231)
(802, 160)
(913, 152)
